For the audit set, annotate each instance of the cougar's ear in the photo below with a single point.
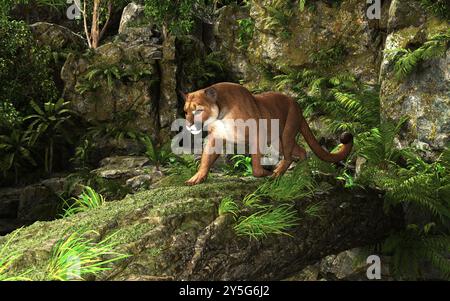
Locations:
(211, 93)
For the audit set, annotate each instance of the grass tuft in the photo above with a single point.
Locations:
(87, 200)
(75, 257)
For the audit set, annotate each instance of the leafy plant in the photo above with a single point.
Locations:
(76, 257)
(267, 221)
(159, 156)
(25, 71)
(89, 199)
(378, 144)
(348, 179)
(325, 58)
(15, 152)
(245, 32)
(275, 218)
(422, 189)
(410, 247)
(407, 60)
(49, 124)
(279, 14)
(242, 165)
(175, 17)
(296, 185)
(343, 103)
(96, 73)
(440, 8)
(422, 184)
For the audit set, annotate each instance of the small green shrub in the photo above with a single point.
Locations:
(87, 200)
(50, 125)
(279, 15)
(15, 150)
(158, 155)
(242, 165)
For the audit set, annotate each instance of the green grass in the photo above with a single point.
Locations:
(228, 206)
(7, 260)
(87, 200)
(314, 210)
(267, 221)
(292, 186)
(76, 257)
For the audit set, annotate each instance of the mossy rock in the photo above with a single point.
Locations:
(175, 232)
(145, 221)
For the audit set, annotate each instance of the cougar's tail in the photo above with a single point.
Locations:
(345, 149)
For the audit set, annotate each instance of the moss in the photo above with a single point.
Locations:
(132, 233)
(132, 215)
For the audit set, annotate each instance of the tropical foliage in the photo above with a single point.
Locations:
(407, 60)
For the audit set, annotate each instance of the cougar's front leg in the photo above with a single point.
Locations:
(258, 169)
(208, 158)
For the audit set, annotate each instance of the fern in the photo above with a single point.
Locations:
(440, 8)
(413, 245)
(279, 14)
(407, 60)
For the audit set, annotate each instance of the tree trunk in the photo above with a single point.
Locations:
(95, 31)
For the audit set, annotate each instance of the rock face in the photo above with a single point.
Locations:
(132, 14)
(348, 265)
(57, 37)
(116, 84)
(303, 34)
(424, 95)
(175, 232)
(22, 206)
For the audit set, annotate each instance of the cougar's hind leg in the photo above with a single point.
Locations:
(299, 152)
(288, 146)
(288, 142)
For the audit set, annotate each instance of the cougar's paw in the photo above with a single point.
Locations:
(196, 179)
